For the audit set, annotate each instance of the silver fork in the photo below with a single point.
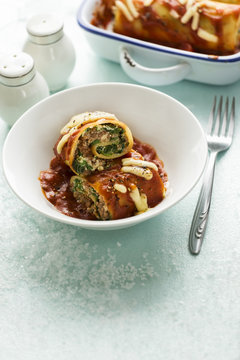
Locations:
(219, 137)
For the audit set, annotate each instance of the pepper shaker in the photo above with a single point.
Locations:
(51, 49)
(21, 86)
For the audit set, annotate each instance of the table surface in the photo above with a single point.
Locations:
(67, 293)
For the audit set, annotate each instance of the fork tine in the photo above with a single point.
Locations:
(225, 119)
(232, 119)
(211, 117)
(218, 117)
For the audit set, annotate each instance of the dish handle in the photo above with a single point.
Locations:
(152, 76)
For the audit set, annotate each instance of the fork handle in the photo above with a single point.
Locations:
(200, 217)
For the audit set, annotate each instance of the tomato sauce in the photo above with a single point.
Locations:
(171, 32)
(55, 184)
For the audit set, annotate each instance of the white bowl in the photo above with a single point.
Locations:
(152, 116)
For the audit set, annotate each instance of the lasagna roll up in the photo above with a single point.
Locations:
(130, 188)
(204, 26)
(91, 141)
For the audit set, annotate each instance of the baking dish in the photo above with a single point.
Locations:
(153, 64)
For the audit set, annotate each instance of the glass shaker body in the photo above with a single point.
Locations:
(51, 49)
(21, 86)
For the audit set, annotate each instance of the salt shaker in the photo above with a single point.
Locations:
(51, 49)
(21, 86)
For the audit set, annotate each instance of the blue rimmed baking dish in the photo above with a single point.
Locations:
(153, 64)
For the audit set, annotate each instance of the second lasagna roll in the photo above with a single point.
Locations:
(205, 26)
(130, 188)
(91, 141)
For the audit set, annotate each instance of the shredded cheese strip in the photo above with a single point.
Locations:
(189, 3)
(174, 14)
(138, 171)
(148, 2)
(121, 188)
(192, 7)
(207, 36)
(79, 119)
(189, 13)
(142, 163)
(140, 201)
(195, 21)
(124, 10)
(132, 8)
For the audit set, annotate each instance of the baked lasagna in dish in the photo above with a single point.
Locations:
(205, 26)
(100, 172)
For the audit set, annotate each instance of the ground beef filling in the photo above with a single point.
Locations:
(87, 196)
(84, 160)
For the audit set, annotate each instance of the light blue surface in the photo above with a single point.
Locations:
(133, 294)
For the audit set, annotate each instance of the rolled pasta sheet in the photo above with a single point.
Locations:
(91, 141)
(205, 26)
(115, 194)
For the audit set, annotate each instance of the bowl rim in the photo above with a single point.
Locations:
(97, 224)
(87, 26)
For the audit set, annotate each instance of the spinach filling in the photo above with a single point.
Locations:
(94, 195)
(113, 129)
(78, 186)
(118, 141)
(95, 142)
(91, 194)
(111, 149)
(80, 165)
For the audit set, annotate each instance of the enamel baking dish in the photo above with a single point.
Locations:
(153, 64)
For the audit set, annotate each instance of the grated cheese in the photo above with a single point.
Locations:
(121, 6)
(189, 13)
(189, 3)
(195, 21)
(192, 12)
(138, 171)
(132, 8)
(174, 14)
(207, 36)
(77, 121)
(140, 201)
(192, 6)
(148, 2)
(121, 188)
(137, 162)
